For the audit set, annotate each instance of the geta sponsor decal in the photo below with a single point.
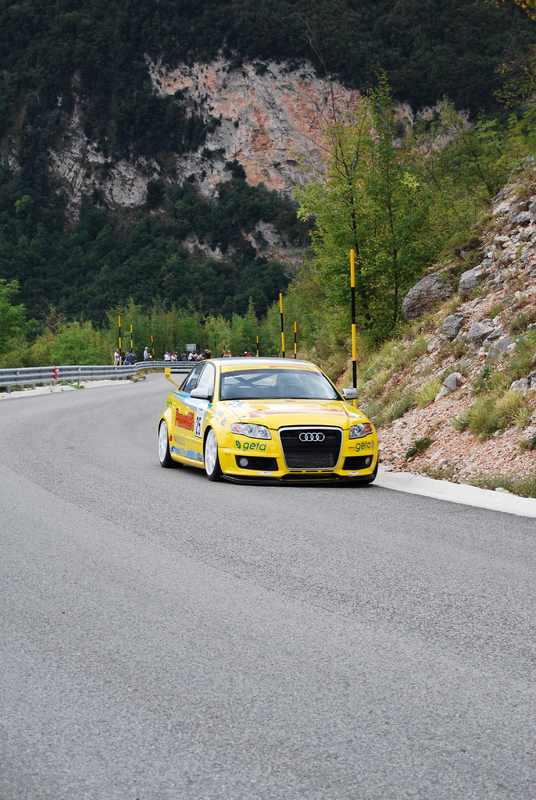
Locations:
(250, 446)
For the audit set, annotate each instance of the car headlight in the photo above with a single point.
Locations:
(253, 431)
(358, 431)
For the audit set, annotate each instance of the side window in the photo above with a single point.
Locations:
(193, 379)
(206, 381)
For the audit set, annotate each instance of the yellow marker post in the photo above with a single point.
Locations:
(131, 342)
(295, 339)
(257, 343)
(354, 316)
(119, 335)
(282, 323)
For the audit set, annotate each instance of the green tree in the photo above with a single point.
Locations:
(12, 316)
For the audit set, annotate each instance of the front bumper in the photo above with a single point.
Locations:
(242, 458)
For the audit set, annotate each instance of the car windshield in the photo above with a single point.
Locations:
(276, 384)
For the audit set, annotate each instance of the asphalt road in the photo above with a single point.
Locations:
(165, 638)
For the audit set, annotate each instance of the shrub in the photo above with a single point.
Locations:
(376, 384)
(495, 310)
(523, 357)
(489, 413)
(447, 473)
(418, 447)
(528, 444)
(524, 487)
(461, 422)
(482, 417)
(509, 407)
(521, 321)
(427, 393)
(400, 405)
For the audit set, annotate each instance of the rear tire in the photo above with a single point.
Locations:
(211, 457)
(164, 456)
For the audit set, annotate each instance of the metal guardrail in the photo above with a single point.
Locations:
(37, 376)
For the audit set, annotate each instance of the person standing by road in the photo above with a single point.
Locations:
(146, 354)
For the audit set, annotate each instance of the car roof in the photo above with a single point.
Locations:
(231, 364)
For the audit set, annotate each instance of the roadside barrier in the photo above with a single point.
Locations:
(37, 376)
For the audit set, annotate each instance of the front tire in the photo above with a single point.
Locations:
(211, 457)
(164, 456)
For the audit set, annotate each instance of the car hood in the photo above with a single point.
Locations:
(281, 413)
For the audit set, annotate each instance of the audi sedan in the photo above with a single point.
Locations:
(269, 418)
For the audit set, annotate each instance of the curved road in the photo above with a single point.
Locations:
(164, 638)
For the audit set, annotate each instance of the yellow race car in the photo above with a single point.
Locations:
(267, 418)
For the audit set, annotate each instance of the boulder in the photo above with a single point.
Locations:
(450, 384)
(452, 381)
(451, 325)
(479, 331)
(522, 385)
(469, 280)
(523, 218)
(425, 294)
(499, 347)
(532, 211)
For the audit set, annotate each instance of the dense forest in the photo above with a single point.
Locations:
(478, 53)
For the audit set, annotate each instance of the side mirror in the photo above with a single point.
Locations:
(349, 393)
(199, 393)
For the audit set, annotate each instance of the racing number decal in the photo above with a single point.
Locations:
(198, 426)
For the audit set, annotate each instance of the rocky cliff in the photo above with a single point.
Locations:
(268, 118)
(457, 397)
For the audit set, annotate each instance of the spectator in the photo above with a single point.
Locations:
(130, 358)
(167, 356)
(173, 356)
(146, 354)
(117, 358)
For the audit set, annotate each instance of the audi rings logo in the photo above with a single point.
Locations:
(312, 436)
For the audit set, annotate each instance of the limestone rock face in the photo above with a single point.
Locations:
(83, 168)
(271, 121)
(425, 294)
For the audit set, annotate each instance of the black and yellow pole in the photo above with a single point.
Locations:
(152, 345)
(354, 318)
(131, 342)
(257, 345)
(295, 339)
(119, 335)
(282, 321)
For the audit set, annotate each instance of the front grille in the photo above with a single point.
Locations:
(311, 454)
(357, 462)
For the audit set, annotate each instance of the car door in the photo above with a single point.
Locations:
(184, 409)
(200, 407)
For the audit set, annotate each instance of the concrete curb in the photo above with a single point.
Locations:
(460, 493)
